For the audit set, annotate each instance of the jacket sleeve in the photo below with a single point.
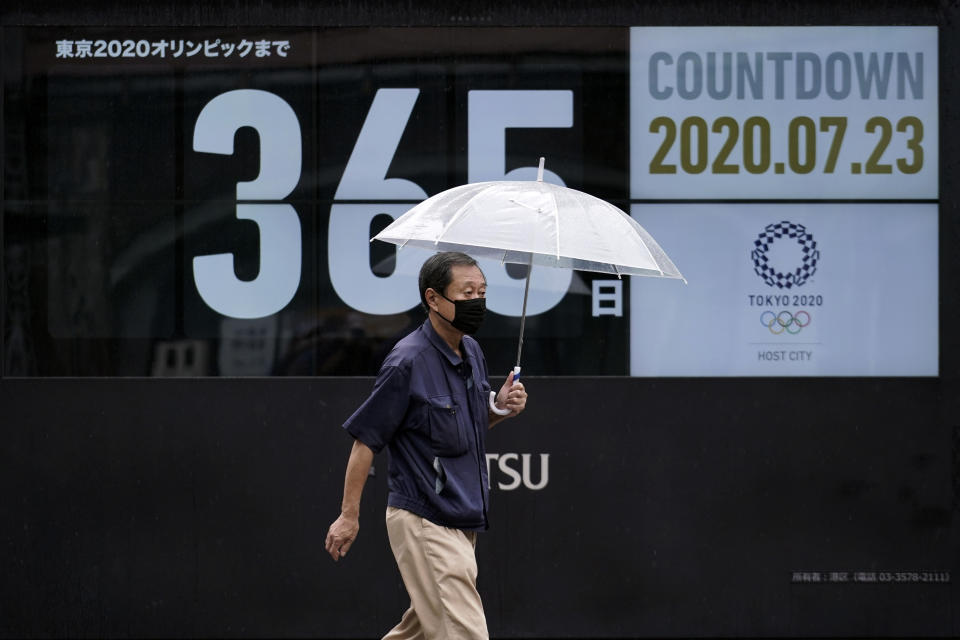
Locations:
(376, 421)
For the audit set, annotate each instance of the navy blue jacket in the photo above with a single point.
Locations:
(428, 407)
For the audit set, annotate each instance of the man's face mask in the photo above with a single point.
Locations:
(468, 314)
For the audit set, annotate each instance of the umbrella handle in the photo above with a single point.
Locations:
(493, 396)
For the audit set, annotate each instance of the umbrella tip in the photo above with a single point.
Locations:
(540, 171)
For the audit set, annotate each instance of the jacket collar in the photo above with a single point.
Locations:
(441, 344)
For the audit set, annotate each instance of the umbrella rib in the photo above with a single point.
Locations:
(459, 213)
(556, 220)
(649, 253)
(626, 222)
(596, 232)
(616, 268)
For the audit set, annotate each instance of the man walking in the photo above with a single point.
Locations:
(429, 408)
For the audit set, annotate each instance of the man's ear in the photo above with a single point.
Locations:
(431, 297)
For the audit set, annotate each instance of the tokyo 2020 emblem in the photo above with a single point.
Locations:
(778, 231)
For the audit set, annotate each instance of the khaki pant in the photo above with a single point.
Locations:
(439, 570)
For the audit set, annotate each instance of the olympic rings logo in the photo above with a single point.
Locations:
(792, 323)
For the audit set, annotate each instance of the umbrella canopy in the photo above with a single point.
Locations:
(532, 222)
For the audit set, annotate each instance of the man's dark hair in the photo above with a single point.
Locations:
(435, 273)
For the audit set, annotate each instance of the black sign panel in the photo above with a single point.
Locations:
(199, 201)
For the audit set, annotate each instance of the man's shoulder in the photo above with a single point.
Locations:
(408, 348)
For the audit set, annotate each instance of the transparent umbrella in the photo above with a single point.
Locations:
(535, 223)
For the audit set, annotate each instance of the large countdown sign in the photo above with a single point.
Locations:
(204, 198)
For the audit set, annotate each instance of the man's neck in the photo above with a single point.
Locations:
(446, 331)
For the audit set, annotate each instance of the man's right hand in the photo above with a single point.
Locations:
(341, 535)
(344, 530)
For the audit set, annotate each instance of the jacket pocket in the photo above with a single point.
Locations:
(447, 431)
